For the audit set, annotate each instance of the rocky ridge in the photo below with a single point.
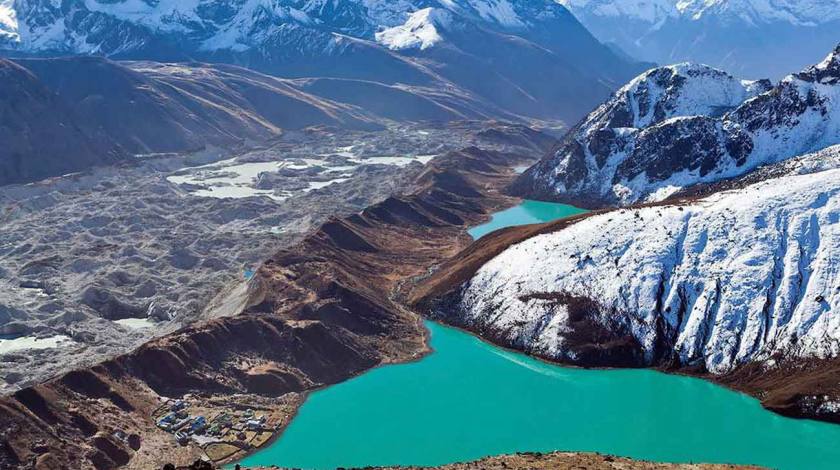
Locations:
(313, 317)
(109, 258)
(485, 50)
(677, 126)
(735, 282)
(767, 38)
(108, 111)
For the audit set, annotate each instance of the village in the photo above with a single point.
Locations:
(221, 431)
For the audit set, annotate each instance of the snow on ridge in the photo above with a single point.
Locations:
(750, 12)
(8, 21)
(684, 89)
(68, 26)
(650, 11)
(681, 125)
(734, 277)
(163, 15)
(420, 31)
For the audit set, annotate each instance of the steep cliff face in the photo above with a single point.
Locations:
(741, 276)
(681, 125)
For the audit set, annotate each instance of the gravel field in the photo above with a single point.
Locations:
(95, 264)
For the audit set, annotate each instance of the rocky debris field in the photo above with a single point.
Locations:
(574, 461)
(313, 314)
(561, 461)
(95, 264)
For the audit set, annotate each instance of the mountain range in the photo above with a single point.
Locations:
(680, 125)
(752, 38)
(738, 276)
(527, 58)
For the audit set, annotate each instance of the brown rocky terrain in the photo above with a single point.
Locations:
(319, 313)
(573, 460)
(561, 461)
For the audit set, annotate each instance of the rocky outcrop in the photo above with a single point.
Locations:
(677, 126)
(738, 286)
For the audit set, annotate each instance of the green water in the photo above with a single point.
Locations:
(469, 399)
(529, 212)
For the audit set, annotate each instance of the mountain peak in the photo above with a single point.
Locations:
(420, 31)
(826, 72)
(684, 89)
(681, 125)
(8, 21)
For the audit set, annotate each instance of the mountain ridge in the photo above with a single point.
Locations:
(492, 48)
(767, 38)
(677, 126)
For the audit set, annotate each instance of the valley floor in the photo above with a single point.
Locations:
(96, 264)
(315, 313)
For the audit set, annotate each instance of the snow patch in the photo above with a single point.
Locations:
(420, 31)
(8, 21)
(28, 343)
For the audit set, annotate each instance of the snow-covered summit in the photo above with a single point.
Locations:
(767, 38)
(657, 12)
(684, 89)
(421, 30)
(8, 21)
(666, 131)
(826, 72)
(118, 26)
(733, 278)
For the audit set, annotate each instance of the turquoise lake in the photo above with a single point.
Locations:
(528, 212)
(469, 399)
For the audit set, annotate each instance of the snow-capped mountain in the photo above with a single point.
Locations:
(680, 125)
(490, 49)
(736, 277)
(767, 38)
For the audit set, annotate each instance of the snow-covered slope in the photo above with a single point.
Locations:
(8, 22)
(487, 50)
(765, 37)
(796, 12)
(419, 31)
(681, 125)
(732, 278)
